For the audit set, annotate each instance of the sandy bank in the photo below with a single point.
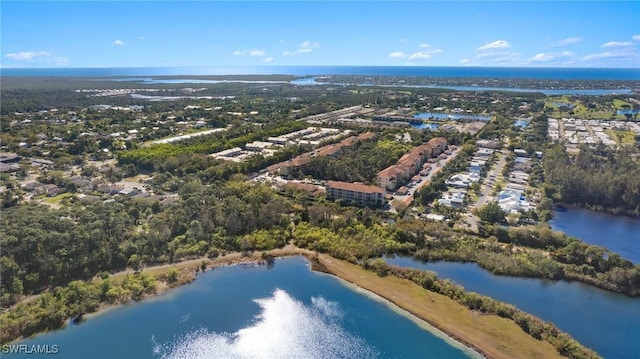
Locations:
(490, 335)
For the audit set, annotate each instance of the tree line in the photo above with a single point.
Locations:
(597, 178)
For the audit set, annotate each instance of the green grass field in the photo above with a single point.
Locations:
(56, 199)
(582, 112)
(622, 137)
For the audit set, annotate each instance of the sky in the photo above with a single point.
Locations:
(307, 33)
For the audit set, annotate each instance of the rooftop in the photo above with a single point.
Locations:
(354, 187)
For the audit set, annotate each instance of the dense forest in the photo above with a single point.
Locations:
(43, 248)
(596, 178)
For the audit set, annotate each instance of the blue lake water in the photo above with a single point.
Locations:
(606, 322)
(563, 104)
(628, 112)
(550, 92)
(450, 116)
(253, 312)
(423, 126)
(619, 234)
(522, 123)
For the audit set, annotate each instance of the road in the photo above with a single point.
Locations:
(485, 190)
(492, 176)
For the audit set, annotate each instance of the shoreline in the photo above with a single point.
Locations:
(468, 348)
(472, 342)
(488, 335)
(566, 206)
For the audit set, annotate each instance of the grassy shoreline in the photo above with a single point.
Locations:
(480, 334)
(489, 335)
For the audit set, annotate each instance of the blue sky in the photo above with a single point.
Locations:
(304, 33)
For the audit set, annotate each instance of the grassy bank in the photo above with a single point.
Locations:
(490, 335)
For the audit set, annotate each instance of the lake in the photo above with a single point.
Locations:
(606, 322)
(522, 123)
(619, 234)
(450, 116)
(423, 126)
(250, 311)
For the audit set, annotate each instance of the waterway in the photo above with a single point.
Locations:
(250, 311)
(606, 322)
(619, 234)
(423, 126)
(421, 71)
(438, 116)
(310, 81)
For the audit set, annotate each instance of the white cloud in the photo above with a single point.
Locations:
(403, 40)
(24, 56)
(611, 55)
(544, 57)
(424, 45)
(420, 56)
(257, 53)
(498, 44)
(119, 43)
(424, 54)
(465, 61)
(254, 53)
(567, 41)
(635, 37)
(491, 54)
(267, 59)
(618, 44)
(303, 48)
(43, 57)
(309, 45)
(397, 55)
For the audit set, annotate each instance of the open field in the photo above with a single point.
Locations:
(56, 199)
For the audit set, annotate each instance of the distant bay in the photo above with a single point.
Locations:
(487, 72)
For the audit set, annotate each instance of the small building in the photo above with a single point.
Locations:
(32, 186)
(452, 199)
(484, 152)
(9, 157)
(520, 152)
(111, 190)
(81, 183)
(488, 143)
(128, 191)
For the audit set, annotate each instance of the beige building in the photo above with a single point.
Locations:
(410, 163)
(360, 194)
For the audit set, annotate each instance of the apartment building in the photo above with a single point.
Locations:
(360, 194)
